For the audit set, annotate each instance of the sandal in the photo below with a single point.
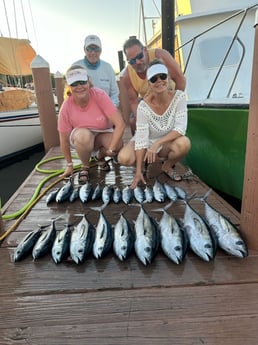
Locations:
(102, 163)
(83, 176)
(173, 175)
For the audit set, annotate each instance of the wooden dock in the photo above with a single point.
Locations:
(108, 302)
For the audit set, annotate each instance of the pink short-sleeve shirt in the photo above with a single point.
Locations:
(94, 116)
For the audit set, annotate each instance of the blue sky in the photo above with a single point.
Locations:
(57, 28)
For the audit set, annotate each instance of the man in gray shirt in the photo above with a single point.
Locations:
(100, 72)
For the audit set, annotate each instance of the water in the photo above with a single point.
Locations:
(13, 175)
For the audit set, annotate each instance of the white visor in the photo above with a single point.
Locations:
(76, 75)
(156, 69)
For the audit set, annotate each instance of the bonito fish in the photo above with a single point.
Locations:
(146, 237)
(159, 191)
(148, 194)
(85, 192)
(117, 194)
(139, 194)
(123, 238)
(200, 239)
(103, 235)
(172, 238)
(228, 236)
(81, 240)
(127, 194)
(45, 241)
(61, 245)
(64, 192)
(26, 245)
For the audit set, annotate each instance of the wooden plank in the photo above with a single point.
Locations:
(195, 315)
(29, 278)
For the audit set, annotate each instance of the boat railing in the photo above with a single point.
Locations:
(192, 42)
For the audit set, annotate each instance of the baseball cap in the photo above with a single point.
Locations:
(92, 39)
(76, 75)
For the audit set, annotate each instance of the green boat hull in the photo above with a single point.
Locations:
(217, 155)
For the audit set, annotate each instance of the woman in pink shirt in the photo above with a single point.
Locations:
(88, 121)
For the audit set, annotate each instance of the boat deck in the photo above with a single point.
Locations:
(107, 301)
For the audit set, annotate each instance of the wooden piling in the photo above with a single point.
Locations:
(249, 212)
(60, 84)
(45, 102)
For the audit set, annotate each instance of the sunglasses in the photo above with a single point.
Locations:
(137, 57)
(79, 82)
(161, 76)
(93, 49)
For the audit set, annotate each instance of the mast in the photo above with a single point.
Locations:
(168, 25)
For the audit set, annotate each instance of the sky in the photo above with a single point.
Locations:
(57, 28)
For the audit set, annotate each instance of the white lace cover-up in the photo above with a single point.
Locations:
(151, 126)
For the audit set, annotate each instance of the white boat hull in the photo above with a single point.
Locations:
(19, 131)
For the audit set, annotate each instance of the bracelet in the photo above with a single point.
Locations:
(69, 164)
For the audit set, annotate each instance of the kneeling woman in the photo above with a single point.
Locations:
(89, 122)
(160, 127)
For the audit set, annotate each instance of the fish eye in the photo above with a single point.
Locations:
(147, 249)
(177, 248)
(239, 243)
(207, 245)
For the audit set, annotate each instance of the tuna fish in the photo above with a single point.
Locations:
(139, 194)
(117, 194)
(45, 241)
(146, 237)
(75, 194)
(60, 249)
(26, 245)
(181, 193)
(52, 196)
(107, 194)
(64, 192)
(103, 235)
(123, 238)
(97, 192)
(85, 192)
(81, 240)
(148, 194)
(159, 191)
(227, 234)
(170, 191)
(198, 233)
(173, 240)
(127, 195)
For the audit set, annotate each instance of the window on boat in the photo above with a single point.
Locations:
(213, 51)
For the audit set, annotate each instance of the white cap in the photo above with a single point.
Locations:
(92, 39)
(156, 69)
(76, 75)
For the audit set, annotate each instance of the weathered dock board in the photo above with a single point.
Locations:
(106, 301)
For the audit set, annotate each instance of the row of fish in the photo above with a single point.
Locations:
(87, 192)
(145, 236)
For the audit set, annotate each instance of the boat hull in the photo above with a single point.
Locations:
(19, 131)
(218, 136)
